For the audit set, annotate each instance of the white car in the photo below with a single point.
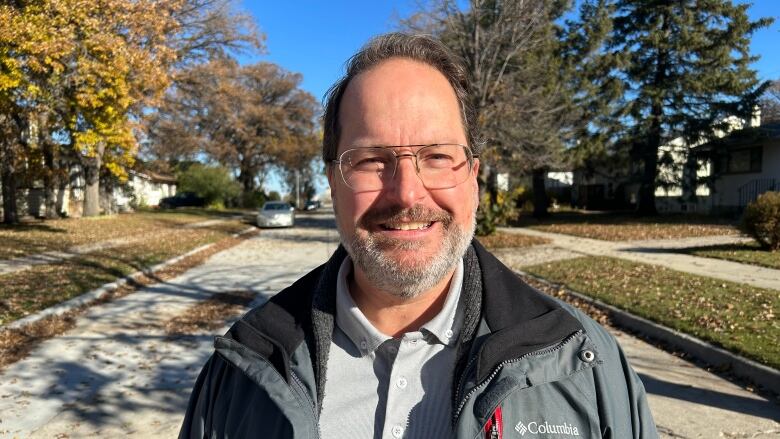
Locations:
(276, 214)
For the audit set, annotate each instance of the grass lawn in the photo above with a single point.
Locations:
(750, 253)
(738, 317)
(625, 227)
(61, 234)
(41, 286)
(508, 240)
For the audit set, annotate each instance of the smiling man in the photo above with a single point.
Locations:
(412, 329)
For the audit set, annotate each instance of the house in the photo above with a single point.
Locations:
(145, 188)
(744, 164)
(719, 176)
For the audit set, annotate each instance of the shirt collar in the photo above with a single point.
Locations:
(444, 326)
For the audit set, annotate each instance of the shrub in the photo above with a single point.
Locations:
(762, 220)
(499, 214)
(212, 183)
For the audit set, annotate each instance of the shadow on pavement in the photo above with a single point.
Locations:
(738, 404)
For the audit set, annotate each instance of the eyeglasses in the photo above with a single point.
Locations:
(440, 166)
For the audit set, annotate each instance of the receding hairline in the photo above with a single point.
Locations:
(410, 60)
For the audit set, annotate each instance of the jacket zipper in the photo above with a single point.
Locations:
(299, 387)
(498, 368)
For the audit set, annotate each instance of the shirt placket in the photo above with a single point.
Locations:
(403, 383)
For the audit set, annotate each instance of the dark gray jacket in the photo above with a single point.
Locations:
(528, 365)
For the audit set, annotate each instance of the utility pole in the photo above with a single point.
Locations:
(297, 189)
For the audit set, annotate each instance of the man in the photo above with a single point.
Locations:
(412, 329)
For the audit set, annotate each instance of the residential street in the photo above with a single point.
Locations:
(117, 373)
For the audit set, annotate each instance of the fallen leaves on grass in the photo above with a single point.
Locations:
(738, 317)
(61, 234)
(509, 240)
(209, 314)
(615, 227)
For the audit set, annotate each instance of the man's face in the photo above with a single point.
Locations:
(403, 102)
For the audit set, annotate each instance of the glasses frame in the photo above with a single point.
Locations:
(470, 156)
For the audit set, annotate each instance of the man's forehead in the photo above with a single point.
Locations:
(400, 102)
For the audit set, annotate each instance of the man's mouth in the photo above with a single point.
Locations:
(406, 225)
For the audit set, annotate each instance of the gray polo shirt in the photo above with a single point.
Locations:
(383, 387)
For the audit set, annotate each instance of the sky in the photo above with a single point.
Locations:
(316, 37)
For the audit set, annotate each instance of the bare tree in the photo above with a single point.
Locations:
(770, 103)
(508, 47)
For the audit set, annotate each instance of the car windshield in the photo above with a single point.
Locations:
(276, 206)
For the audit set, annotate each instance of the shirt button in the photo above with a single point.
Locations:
(401, 383)
(398, 431)
(392, 349)
(413, 342)
(448, 333)
(363, 344)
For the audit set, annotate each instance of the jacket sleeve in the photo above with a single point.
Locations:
(198, 416)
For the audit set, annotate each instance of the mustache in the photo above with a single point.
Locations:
(416, 213)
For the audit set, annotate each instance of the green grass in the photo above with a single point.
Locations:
(42, 286)
(738, 317)
(750, 253)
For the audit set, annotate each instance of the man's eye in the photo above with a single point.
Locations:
(369, 164)
(437, 160)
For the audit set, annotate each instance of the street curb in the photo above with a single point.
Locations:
(762, 376)
(93, 295)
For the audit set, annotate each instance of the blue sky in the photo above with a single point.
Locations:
(315, 38)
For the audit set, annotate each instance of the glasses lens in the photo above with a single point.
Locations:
(363, 168)
(439, 166)
(443, 166)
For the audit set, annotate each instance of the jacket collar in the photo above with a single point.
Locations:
(520, 318)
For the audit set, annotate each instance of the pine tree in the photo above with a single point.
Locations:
(686, 68)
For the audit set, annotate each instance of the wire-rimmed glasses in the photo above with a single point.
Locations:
(440, 165)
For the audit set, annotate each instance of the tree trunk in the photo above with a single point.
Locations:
(51, 179)
(541, 202)
(92, 180)
(8, 177)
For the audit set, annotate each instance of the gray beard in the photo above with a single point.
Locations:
(403, 279)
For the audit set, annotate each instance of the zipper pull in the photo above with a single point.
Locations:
(494, 429)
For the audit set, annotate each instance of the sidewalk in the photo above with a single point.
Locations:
(657, 253)
(117, 374)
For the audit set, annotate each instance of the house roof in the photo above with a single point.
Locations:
(748, 136)
(155, 177)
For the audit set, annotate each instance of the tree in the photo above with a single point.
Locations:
(213, 183)
(81, 77)
(770, 103)
(685, 67)
(511, 53)
(245, 117)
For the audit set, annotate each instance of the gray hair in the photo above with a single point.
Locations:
(423, 48)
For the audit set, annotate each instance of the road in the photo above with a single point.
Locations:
(117, 374)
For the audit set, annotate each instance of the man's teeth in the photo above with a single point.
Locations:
(408, 226)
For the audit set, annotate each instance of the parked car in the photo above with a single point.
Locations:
(312, 205)
(276, 214)
(182, 199)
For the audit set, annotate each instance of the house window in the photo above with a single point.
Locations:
(741, 161)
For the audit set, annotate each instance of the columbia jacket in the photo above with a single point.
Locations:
(529, 366)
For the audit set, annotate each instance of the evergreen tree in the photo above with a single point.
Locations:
(685, 65)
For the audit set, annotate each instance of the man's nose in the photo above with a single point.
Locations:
(406, 187)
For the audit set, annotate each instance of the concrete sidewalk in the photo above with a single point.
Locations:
(117, 374)
(658, 252)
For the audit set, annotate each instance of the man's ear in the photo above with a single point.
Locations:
(330, 171)
(475, 170)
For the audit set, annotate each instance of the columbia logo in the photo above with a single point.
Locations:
(533, 427)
